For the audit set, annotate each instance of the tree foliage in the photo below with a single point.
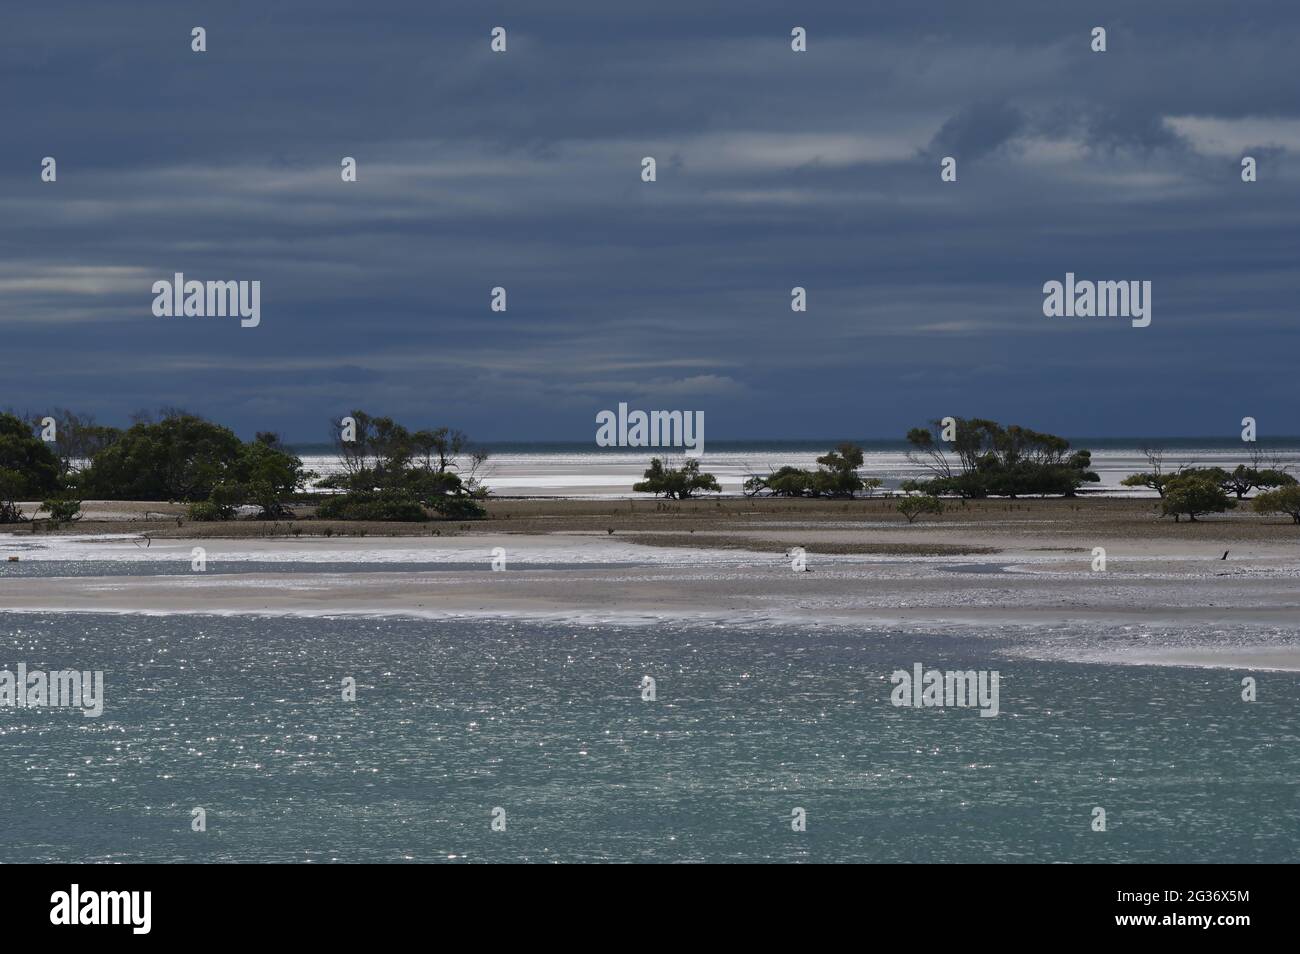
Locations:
(1243, 479)
(267, 475)
(62, 510)
(179, 458)
(676, 483)
(1284, 500)
(11, 484)
(986, 459)
(388, 472)
(1192, 495)
(183, 457)
(373, 505)
(77, 438)
(836, 476)
(913, 507)
(33, 465)
(1239, 481)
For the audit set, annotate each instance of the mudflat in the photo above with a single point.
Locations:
(1164, 594)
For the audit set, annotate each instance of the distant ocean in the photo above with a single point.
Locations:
(578, 469)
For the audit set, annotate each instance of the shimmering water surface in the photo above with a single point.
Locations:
(243, 716)
(567, 469)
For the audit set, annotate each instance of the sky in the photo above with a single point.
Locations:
(775, 169)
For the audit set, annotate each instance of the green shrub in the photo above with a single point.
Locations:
(368, 505)
(62, 510)
(228, 495)
(784, 482)
(12, 484)
(676, 483)
(458, 508)
(270, 475)
(913, 507)
(1194, 495)
(836, 476)
(207, 510)
(1285, 500)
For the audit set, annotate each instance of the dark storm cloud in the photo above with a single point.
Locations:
(976, 131)
(775, 169)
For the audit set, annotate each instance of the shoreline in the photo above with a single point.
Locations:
(995, 568)
(1021, 572)
(1034, 520)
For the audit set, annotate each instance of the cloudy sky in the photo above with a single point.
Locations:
(775, 169)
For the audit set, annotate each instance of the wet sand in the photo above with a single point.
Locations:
(875, 521)
(1019, 564)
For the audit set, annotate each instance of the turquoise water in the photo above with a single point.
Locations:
(243, 716)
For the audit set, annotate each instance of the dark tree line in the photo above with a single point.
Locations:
(387, 472)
